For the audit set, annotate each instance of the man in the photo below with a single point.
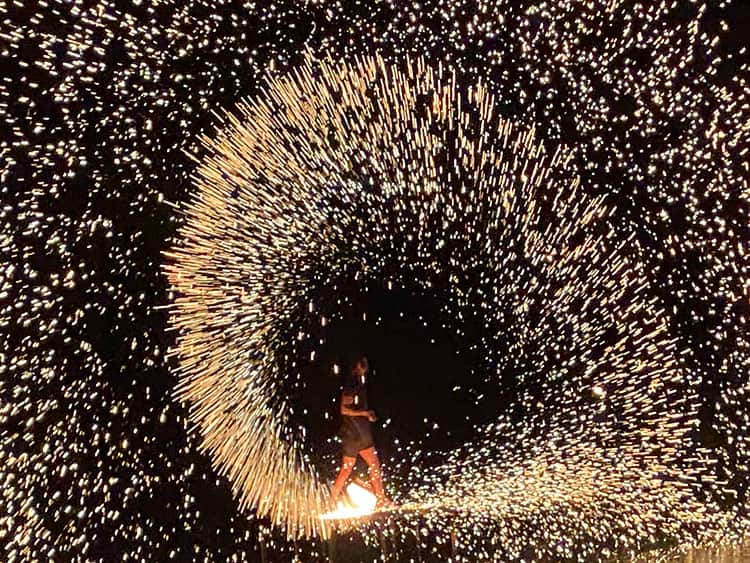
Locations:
(356, 434)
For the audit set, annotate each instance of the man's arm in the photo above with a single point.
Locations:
(347, 400)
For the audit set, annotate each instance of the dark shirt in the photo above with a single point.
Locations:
(352, 426)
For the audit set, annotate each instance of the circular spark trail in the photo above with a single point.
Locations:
(616, 315)
(608, 406)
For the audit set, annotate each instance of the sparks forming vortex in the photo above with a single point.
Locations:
(274, 199)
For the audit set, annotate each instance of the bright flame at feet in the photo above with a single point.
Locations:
(362, 503)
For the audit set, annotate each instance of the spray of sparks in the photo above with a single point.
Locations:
(604, 447)
(575, 173)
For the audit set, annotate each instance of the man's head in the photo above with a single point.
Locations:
(360, 366)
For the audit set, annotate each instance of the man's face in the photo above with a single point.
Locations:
(360, 369)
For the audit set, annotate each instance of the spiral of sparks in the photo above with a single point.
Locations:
(573, 173)
(605, 444)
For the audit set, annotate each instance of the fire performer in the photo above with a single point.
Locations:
(356, 434)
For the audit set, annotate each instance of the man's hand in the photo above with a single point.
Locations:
(370, 415)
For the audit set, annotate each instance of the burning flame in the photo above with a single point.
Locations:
(362, 504)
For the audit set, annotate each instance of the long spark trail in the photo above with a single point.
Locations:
(566, 183)
(608, 444)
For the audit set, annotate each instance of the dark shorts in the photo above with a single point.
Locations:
(354, 440)
(352, 446)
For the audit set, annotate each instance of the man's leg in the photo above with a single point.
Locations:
(347, 464)
(376, 478)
